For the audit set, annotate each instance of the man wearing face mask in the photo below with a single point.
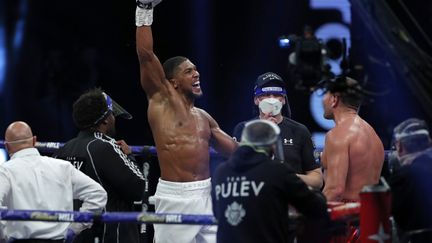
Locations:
(411, 182)
(270, 96)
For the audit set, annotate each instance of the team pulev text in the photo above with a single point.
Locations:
(238, 187)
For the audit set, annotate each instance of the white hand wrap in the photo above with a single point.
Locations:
(143, 16)
(144, 12)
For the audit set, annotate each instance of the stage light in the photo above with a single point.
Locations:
(284, 42)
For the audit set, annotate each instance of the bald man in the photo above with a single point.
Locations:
(18, 136)
(29, 181)
(353, 153)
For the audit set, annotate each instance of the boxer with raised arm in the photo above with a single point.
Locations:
(353, 153)
(182, 133)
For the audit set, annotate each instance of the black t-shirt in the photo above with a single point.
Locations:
(297, 145)
(251, 193)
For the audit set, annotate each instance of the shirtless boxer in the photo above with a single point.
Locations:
(182, 132)
(353, 153)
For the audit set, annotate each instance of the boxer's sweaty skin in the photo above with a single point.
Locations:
(353, 154)
(182, 133)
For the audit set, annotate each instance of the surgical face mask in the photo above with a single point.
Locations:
(270, 105)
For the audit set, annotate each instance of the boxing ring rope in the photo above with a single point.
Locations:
(336, 213)
(340, 212)
(108, 217)
(344, 211)
(49, 147)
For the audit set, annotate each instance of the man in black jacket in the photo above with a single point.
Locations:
(107, 161)
(251, 192)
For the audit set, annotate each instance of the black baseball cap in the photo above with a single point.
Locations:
(269, 83)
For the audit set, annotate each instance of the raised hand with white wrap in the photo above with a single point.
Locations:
(144, 12)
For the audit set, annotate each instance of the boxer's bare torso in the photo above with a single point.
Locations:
(352, 158)
(183, 133)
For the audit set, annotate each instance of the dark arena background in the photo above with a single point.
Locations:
(52, 51)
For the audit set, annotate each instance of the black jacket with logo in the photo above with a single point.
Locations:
(99, 157)
(251, 193)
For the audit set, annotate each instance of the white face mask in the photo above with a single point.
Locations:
(270, 105)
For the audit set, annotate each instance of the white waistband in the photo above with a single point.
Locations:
(183, 188)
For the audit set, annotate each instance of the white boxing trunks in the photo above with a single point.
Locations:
(184, 198)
